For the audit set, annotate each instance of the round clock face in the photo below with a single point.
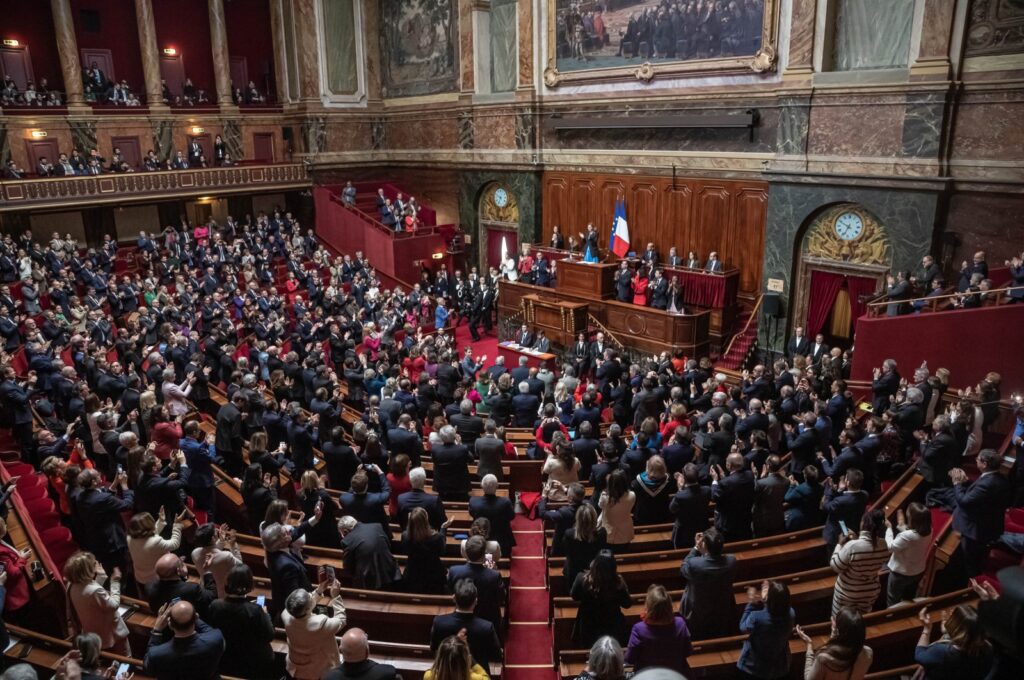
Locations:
(500, 198)
(849, 226)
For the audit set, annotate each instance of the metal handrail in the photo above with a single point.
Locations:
(753, 315)
(998, 296)
(608, 334)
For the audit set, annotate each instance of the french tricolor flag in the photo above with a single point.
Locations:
(619, 243)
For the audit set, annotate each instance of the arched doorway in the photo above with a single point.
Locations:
(499, 223)
(843, 257)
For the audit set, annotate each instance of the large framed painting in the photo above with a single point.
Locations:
(601, 40)
(419, 45)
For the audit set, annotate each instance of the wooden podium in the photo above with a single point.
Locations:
(560, 319)
(593, 280)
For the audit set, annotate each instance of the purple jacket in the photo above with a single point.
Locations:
(661, 645)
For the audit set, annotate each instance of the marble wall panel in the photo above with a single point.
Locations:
(495, 129)
(908, 217)
(436, 132)
(858, 130)
(504, 57)
(340, 46)
(988, 128)
(985, 221)
(922, 125)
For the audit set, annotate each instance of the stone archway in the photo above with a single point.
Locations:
(842, 239)
(498, 216)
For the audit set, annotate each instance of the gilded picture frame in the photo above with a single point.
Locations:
(641, 61)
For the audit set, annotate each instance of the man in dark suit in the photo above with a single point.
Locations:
(541, 342)
(624, 283)
(498, 510)
(228, 441)
(489, 587)
(403, 438)
(691, 507)
(98, 513)
(468, 426)
(843, 503)
(584, 446)
(650, 256)
(162, 488)
(897, 290)
(522, 371)
(524, 406)
(939, 453)
(286, 568)
(451, 467)
(884, 387)
(364, 505)
(484, 644)
(182, 645)
(524, 337)
(659, 290)
(674, 259)
(418, 498)
(708, 603)
(802, 442)
(733, 494)
(713, 263)
(356, 663)
(489, 452)
(16, 409)
(542, 270)
(980, 508)
(195, 152)
(798, 345)
(173, 584)
(368, 560)
(817, 349)
(769, 499)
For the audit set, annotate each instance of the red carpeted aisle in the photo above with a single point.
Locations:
(528, 644)
(487, 345)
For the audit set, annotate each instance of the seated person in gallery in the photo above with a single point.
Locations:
(674, 259)
(542, 344)
(557, 240)
(713, 264)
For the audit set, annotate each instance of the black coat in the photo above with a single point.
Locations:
(500, 512)
(691, 508)
(489, 588)
(451, 469)
(248, 632)
(99, 513)
(483, 640)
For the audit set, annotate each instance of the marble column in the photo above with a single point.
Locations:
(307, 49)
(800, 64)
(525, 16)
(150, 53)
(67, 48)
(932, 61)
(466, 56)
(280, 47)
(221, 58)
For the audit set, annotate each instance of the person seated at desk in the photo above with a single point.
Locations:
(713, 263)
(542, 344)
(524, 338)
(574, 247)
(937, 289)
(692, 261)
(640, 282)
(674, 259)
(557, 240)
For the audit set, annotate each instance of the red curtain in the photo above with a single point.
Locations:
(858, 286)
(494, 237)
(824, 289)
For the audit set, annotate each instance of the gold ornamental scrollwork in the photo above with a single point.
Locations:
(764, 60)
(645, 72)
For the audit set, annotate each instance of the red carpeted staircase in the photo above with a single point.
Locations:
(529, 641)
(741, 343)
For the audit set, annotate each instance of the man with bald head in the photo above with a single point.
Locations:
(733, 492)
(173, 584)
(356, 661)
(182, 645)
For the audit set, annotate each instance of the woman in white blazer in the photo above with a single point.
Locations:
(312, 647)
(92, 608)
(146, 544)
(176, 396)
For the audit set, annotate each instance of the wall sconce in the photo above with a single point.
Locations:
(11, 42)
(170, 51)
(437, 256)
(196, 130)
(38, 134)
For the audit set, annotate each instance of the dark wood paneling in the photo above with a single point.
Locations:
(130, 150)
(690, 214)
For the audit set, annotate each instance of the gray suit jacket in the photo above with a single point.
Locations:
(489, 452)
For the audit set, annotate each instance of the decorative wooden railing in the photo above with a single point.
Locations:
(135, 186)
(938, 303)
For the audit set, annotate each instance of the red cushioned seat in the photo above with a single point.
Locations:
(56, 536)
(9, 457)
(45, 520)
(31, 493)
(16, 468)
(39, 506)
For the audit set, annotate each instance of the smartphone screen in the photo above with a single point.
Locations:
(123, 670)
(330, 574)
(261, 600)
(842, 527)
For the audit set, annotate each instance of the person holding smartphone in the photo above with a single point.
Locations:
(246, 626)
(312, 647)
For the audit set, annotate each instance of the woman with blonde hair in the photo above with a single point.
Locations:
(91, 607)
(963, 653)
(146, 544)
(562, 469)
(454, 662)
(582, 542)
(424, 547)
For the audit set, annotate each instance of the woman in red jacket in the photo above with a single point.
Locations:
(640, 287)
(13, 562)
(166, 433)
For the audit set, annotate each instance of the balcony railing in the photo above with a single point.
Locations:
(139, 186)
